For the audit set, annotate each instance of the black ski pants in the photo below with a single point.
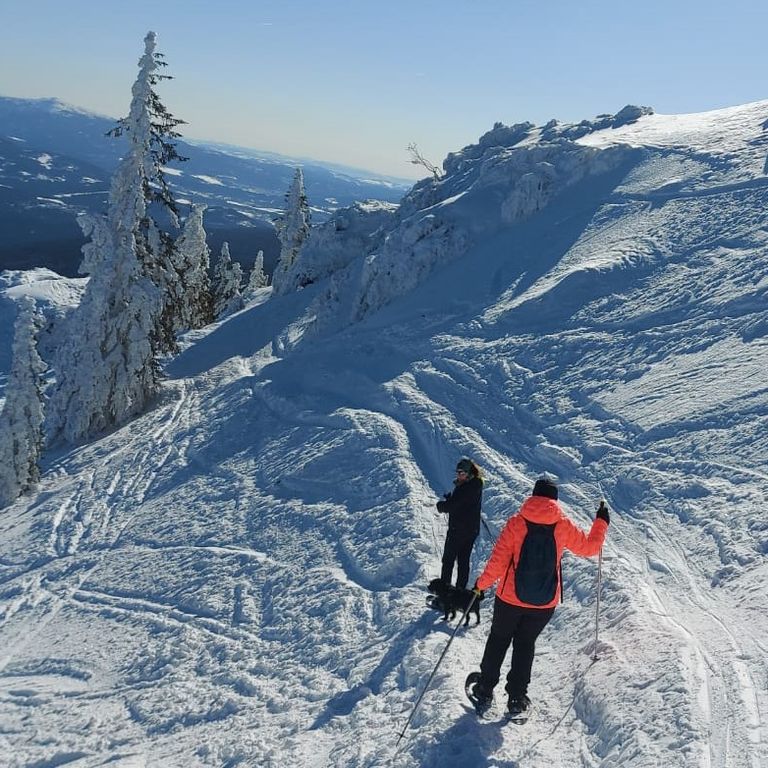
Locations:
(519, 626)
(457, 549)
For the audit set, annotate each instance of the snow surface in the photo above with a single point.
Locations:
(208, 179)
(237, 578)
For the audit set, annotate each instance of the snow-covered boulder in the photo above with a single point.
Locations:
(406, 257)
(500, 136)
(625, 116)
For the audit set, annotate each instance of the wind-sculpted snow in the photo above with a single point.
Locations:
(237, 577)
(349, 233)
(486, 187)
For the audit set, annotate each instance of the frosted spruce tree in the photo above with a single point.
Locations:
(21, 421)
(292, 230)
(107, 369)
(191, 293)
(151, 130)
(258, 278)
(227, 279)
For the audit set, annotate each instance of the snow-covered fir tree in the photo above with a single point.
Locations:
(191, 259)
(151, 130)
(292, 230)
(21, 421)
(107, 370)
(258, 278)
(227, 279)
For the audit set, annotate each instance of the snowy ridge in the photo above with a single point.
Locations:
(237, 576)
(51, 105)
(486, 187)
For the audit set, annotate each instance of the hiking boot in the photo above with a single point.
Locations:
(481, 694)
(481, 697)
(518, 705)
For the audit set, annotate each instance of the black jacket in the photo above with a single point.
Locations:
(463, 508)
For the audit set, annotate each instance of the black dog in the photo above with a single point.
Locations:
(450, 600)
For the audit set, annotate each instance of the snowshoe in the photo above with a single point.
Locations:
(481, 699)
(518, 710)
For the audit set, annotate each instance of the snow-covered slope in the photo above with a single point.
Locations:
(237, 577)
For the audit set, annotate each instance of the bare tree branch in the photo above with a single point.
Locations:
(418, 159)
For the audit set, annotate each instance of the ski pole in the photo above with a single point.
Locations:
(595, 657)
(439, 661)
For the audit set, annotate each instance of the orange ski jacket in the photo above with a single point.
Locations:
(506, 551)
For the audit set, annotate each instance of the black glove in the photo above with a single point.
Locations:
(440, 506)
(479, 594)
(602, 513)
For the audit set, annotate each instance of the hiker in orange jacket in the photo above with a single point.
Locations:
(526, 560)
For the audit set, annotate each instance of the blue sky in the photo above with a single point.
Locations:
(356, 81)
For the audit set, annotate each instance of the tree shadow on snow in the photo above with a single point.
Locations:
(241, 335)
(518, 255)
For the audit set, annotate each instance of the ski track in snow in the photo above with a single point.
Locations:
(237, 577)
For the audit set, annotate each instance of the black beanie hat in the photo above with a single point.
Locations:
(545, 486)
(465, 465)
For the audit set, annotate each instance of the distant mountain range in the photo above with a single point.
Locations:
(56, 160)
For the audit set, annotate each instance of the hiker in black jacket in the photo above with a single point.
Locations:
(463, 508)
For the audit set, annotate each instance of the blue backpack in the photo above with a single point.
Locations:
(536, 574)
